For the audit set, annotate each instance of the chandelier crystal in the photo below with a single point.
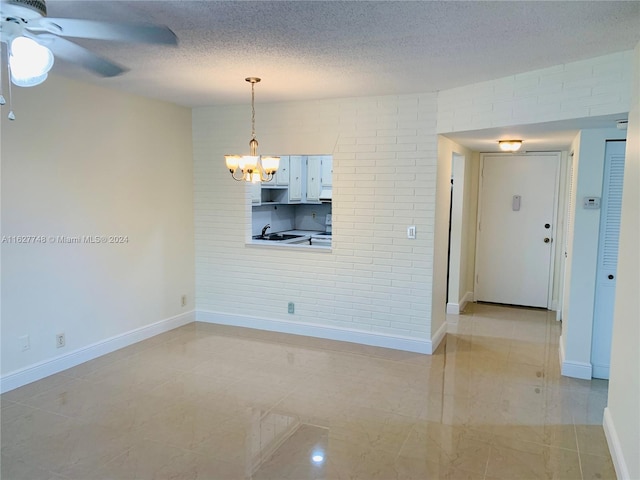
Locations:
(253, 167)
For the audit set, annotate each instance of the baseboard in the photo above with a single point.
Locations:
(45, 368)
(615, 449)
(576, 370)
(573, 369)
(468, 297)
(320, 331)
(457, 308)
(438, 337)
(453, 308)
(600, 371)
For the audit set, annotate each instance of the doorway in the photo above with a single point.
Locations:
(457, 258)
(516, 225)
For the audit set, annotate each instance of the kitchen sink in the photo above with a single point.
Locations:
(276, 237)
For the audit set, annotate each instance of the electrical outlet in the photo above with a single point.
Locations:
(411, 231)
(60, 340)
(183, 300)
(313, 214)
(291, 308)
(25, 344)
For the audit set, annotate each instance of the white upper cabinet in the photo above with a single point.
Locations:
(314, 172)
(295, 178)
(282, 175)
(256, 193)
(327, 171)
(299, 179)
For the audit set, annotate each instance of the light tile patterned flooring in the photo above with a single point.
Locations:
(212, 402)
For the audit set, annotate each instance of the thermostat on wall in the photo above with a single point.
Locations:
(591, 203)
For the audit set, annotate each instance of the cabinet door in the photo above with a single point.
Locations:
(256, 193)
(295, 178)
(282, 175)
(313, 178)
(327, 171)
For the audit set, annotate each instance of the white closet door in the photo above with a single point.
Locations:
(611, 207)
(518, 198)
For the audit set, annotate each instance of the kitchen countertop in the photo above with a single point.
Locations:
(293, 242)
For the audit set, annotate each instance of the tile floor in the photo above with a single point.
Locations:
(211, 402)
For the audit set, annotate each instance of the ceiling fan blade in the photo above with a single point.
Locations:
(69, 51)
(121, 32)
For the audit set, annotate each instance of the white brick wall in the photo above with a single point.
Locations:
(375, 279)
(593, 87)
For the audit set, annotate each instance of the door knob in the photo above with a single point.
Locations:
(547, 239)
(610, 277)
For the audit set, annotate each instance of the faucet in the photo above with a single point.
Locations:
(265, 228)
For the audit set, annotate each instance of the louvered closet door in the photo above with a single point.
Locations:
(611, 206)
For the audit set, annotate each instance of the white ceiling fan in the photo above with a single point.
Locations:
(33, 40)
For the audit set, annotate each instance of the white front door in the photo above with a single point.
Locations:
(610, 210)
(516, 225)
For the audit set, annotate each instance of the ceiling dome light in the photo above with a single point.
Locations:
(510, 145)
(29, 62)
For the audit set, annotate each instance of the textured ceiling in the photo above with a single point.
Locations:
(329, 49)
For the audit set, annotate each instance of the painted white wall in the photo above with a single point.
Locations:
(83, 160)
(560, 235)
(461, 269)
(471, 220)
(571, 198)
(622, 415)
(375, 281)
(582, 256)
(589, 88)
(454, 297)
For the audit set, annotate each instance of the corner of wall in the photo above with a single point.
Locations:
(573, 369)
(613, 442)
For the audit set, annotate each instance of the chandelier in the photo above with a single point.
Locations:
(253, 167)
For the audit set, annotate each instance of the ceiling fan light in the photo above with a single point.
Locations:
(29, 62)
(28, 81)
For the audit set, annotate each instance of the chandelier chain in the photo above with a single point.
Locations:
(253, 112)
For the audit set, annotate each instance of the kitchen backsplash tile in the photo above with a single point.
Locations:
(289, 217)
